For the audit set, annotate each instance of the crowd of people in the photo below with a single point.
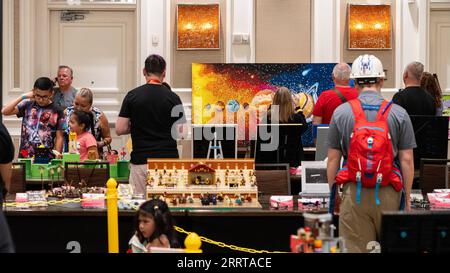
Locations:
(149, 112)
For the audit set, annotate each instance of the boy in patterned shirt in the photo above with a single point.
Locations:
(42, 120)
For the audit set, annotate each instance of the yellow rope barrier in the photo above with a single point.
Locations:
(223, 245)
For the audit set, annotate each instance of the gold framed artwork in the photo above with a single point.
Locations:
(198, 26)
(369, 27)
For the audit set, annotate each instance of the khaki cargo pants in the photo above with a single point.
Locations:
(360, 224)
(138, 179)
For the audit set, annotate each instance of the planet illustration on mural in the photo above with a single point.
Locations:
(220, 106)
(233, 106)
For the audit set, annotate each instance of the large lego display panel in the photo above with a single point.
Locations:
(241, 93)
(201, 183)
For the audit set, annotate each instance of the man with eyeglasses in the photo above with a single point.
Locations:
(42, 120)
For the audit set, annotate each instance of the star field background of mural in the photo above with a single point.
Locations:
(238, 88)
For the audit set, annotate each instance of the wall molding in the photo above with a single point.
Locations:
(325, 31)
(440, 5)
(229, 30)
(26, 49)
(92, 6)
(167, 38)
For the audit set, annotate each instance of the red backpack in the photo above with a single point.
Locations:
(370, 162)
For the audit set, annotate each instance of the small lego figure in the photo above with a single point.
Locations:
(214, 200)
(160, 180)
(248, 199)
(253, 181)
(73, 147)
(123, 153)
(151, 182)
(190, 200)
(205, 200)
(183, 200)
(220, 197)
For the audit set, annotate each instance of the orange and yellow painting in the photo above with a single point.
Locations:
(242, 93)
(369, 27)
(198, 26)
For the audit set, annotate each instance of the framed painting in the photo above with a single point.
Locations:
(369, 27)
(198, 27)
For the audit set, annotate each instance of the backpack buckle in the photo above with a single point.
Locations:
(358, 176)
(370, 141)
(379, 178)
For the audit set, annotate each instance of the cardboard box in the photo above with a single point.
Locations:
(282, 202)
(71, 157)
(93, 201)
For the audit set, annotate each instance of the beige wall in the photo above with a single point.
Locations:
(387, 57)
(283, 31)
(16, 43)
(440, 47)
(182, 59)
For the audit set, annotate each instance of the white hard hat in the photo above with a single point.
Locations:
(367, 67)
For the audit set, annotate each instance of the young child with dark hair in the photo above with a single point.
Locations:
(154, 227)
(80, 122)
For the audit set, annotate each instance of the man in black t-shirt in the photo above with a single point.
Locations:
(6, 157)
(151, 113)
(413, 98)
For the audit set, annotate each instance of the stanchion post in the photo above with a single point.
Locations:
(113, 216)
(193, 243)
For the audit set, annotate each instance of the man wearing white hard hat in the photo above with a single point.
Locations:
(362, 204)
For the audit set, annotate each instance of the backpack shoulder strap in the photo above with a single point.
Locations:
(385, 108)
(339, 94)
(357, 109)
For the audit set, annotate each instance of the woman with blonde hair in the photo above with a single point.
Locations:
(290, 148)
(430, 83)
(100, 129)
(288, 112)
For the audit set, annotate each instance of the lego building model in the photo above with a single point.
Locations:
(199, 183)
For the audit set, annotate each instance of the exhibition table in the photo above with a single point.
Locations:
(58, 229)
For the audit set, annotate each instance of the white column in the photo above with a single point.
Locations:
(241, 21)
(412, 24)
(325, 43)
(152, 31)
